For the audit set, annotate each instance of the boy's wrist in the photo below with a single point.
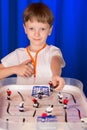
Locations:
(14, 70)
(55, 75)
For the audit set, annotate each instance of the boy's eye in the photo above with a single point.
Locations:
(43, 29)
(31, 28)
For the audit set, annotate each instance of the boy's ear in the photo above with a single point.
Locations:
(24, 28)
(50, 30)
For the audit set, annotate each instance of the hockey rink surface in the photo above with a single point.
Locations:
(66, 119)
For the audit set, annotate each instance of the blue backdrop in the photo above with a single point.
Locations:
(69, 32)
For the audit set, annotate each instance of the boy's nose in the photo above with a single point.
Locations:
(37, 33)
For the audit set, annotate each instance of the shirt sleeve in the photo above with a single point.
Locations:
(54, 51)
(10, 60)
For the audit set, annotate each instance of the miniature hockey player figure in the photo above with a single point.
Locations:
(65, 102)
(9, 92)
(36, 103)
(84, 123)
(51, 86)
(60, 97)
(40, 94)
(49, 110)
(21, 107)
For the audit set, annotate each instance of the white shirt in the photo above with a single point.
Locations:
(43, 70)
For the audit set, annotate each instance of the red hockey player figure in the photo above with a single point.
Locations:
(9, 92)
(51, 86)
(65, 102)
(36, 103)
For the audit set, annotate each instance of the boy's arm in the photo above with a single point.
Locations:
(6, 71)
(22, 69)
(56, 67)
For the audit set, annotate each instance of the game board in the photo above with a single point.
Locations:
(10, 104)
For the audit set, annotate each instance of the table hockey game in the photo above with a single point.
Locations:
(40, 107)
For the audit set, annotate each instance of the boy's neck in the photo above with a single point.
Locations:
(36, 48)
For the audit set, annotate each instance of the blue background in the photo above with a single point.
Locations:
(69, 32)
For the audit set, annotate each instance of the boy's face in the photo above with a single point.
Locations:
(37, 32)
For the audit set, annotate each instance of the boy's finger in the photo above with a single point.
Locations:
(27, 61)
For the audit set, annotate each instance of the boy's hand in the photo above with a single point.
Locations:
(25, 69)
(58, 82)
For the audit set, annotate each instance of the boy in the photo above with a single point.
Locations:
(38, 63)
